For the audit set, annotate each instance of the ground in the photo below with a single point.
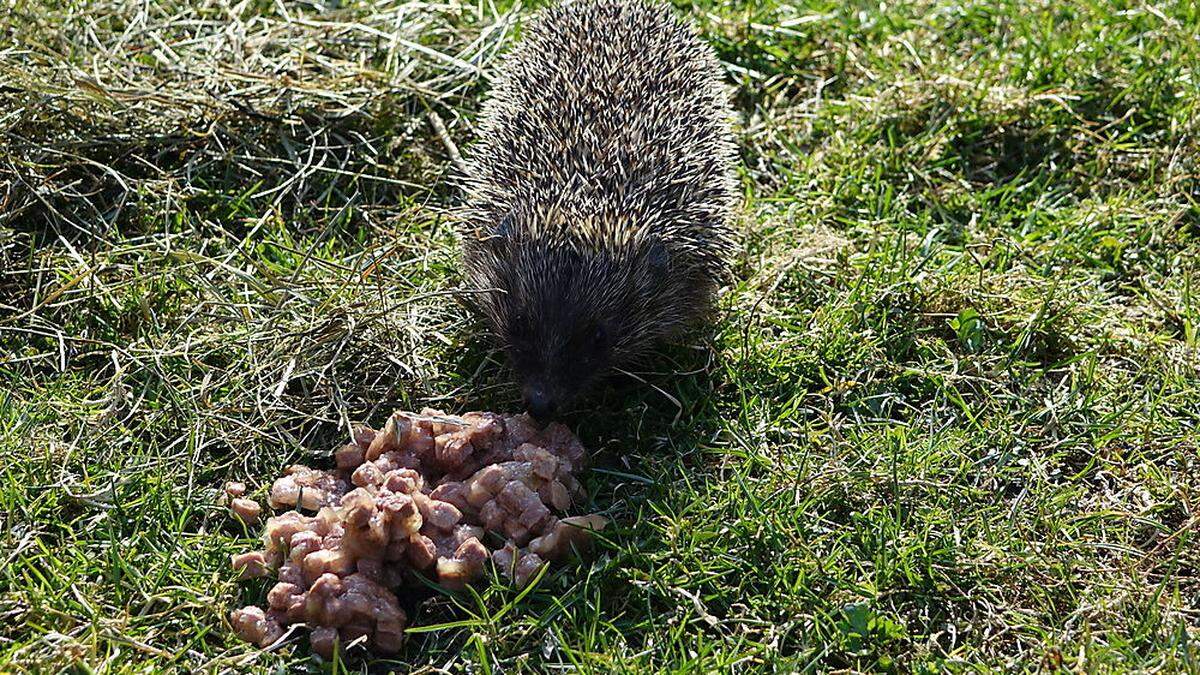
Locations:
(946, 419)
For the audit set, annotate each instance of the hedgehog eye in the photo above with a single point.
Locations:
(589, 345)
(659, 258)
(598, 338)
(522, 358)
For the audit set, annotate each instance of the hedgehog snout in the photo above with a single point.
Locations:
(539, 402)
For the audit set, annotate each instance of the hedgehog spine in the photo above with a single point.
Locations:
(599, 193)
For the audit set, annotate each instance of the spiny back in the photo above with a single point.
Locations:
(608, 109)
(600, 190)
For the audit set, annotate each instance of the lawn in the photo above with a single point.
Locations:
(947, 419)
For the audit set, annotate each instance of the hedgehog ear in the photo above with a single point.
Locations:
(600, 336)
(505, 226)
(504, 229)
(659, 258)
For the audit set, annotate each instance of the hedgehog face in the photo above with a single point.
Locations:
(556, 349)
(554, 364)
(569, 304)
(560, 325)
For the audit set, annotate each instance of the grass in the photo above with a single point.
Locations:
(948, 419)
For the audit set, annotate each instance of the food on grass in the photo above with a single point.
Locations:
(430, 493)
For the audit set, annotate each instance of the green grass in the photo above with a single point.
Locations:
(947, 421)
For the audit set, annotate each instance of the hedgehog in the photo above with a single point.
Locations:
(599, 194)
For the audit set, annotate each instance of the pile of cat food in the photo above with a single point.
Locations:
(430, 494)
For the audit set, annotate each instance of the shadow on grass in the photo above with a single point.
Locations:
(73, 172)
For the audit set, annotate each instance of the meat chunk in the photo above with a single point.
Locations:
(517, 565)
(245, 510)
(575, 531)
(323, 640)
(307, 489)
(349, 456)
(250, 565)
(252, 625)
(419, 497)
(465, 566)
